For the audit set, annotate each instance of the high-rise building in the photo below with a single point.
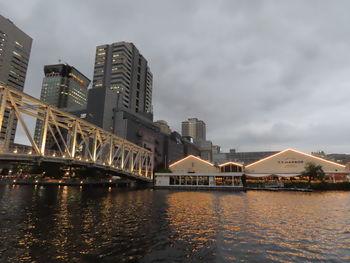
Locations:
(120, 100)
(163, 126)
(122, 82)
(194, 128)
(15, 47)
(63, 87)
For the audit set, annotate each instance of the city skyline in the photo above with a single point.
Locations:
(266, 87)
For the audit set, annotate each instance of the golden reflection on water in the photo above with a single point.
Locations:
(192, 220)
(266, 226)
(47, 224)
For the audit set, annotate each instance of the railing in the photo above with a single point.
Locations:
(64, 135)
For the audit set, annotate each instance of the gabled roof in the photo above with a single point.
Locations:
(188, 157)
(233, 163)
(295, 151)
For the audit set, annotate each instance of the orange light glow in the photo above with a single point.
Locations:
(190, 156)
(295, 151)
(224, 164)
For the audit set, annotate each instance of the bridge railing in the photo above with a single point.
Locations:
(63, 135)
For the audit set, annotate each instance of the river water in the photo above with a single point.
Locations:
(72, 224)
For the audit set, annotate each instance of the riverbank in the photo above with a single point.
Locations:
(71, 182)
(324, 186)
(288, 186)
(279, 189)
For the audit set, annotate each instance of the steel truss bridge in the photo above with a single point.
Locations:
(76, 142)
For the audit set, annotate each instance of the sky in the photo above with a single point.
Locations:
(263, 75)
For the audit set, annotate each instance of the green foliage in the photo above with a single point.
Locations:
(160, 168)
(313, 172)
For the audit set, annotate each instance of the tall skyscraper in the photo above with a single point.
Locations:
(63, 87)
(120, 100)
(15, 47)
(194, 128)
(122, 82)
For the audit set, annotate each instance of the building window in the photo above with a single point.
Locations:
(174, 180)
(223, 180)
(203, 180)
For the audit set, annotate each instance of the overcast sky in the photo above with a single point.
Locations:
(263, 75)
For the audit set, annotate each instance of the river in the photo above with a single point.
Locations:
(92, 225)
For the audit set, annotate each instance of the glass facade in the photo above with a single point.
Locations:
(202, 180)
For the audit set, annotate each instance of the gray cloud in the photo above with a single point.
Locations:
(263, 75)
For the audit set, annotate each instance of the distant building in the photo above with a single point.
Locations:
(122, 82)
(163, 126)
(63, 87)
(191, 149)
(15, 47)
(120, 100)
(174, 148)
(215, 149)
(205, 148)
(241, 157)
(194, 128)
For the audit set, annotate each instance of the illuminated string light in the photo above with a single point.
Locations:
(191, 156)
(295, 151)
(233, 163)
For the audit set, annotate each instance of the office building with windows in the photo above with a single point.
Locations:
(120, 100)
(122, 82)
(15, 47)
(194, 128)
(63, 87)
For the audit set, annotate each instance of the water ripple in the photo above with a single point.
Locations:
(69, 224)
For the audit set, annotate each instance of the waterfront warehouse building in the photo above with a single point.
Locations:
(193, 172)
(290, 163)
(63, 87)
(15, 47)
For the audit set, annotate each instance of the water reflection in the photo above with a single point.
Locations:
(260, 226)
(69, 224)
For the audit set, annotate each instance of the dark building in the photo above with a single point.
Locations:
(122, 82)
(175, 148)
(178, 147)
(15, 47)
(120, 100)
(191, 149)
(63, 87)
(143, 133)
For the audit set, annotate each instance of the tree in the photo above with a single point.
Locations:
(160, 168)
(313, 171)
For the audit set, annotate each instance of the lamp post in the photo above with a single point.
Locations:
(118, 90)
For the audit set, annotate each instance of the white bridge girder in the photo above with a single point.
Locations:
(73, 137)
